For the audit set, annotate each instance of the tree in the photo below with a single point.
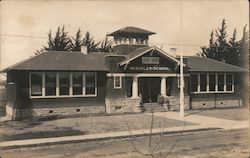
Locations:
(77, 41)
(61, 41)
(106, 45)
(90, 43)
(227, 51)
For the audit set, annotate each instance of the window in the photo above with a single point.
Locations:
(90, 83)
(212, 83)
(220, 82)
(62, 84)
(203, 82)
(50, 84)
(194, 82)
(229, 82)
(36, 84)
(150, 60)
(117, 82)
(77, 83)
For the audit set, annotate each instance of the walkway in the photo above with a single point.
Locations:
(204, 122)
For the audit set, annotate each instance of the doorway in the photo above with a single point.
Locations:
(149, 89)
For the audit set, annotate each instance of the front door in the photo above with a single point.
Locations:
(149, 89)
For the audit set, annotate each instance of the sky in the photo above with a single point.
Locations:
(24, 25)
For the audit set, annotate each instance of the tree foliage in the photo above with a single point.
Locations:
(230, 51)
(63, 42)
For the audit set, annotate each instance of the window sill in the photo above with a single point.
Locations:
(66, 96)
(216, 92)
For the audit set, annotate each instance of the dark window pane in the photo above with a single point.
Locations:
(90, 83)
(77, 83)
(50, 84)
(203, 82)
(64, 84)
(194, 82)
(229, 82)
(117, 81)
(220, 82)
(212, 82)
(36, 84)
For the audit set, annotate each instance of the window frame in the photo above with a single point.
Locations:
(150, 60)
(120, 82)
(216, 84)
(58, 86)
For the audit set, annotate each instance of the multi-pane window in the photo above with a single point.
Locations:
(229, 82)
(117, 82)
(90, 83)
(64, 83)
(211, 83)
(36, 84)
(77, 83)
(150, 60)
(221, 82)
(52, 84)
(203, 82)
(194, 83)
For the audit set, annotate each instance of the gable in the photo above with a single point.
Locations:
(152, 61)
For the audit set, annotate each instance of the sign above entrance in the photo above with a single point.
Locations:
(148, 68)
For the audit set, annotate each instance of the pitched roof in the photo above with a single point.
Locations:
(198, 64)
(133, 30)
(140, 51)
(58, 60)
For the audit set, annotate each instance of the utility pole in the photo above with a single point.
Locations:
(181, 68)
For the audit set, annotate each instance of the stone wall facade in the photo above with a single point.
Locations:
(206, 104)
(62, 111)
(174, 102)
(123, 105)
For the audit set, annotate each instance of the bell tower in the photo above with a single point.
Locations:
(131, 36)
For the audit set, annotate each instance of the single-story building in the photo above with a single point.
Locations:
(123, 80)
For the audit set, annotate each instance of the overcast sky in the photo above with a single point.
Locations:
(24, 25)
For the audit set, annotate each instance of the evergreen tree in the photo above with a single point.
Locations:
(77, 41)
(106, 45)
(232, 52)
(90, 43)
(61, 41)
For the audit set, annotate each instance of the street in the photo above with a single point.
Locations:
(233, 143)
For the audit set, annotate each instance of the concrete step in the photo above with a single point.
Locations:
(149, 107)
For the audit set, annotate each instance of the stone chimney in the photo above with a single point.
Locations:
(84, 49)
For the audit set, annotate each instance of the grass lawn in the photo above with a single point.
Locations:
(37, 128)
(237, 114)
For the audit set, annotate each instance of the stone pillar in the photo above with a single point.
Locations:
(135, 87)
(163, 86)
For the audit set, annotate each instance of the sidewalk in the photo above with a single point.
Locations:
(205, 123)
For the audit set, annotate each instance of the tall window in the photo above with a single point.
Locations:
(194, 82)
(212, 83)
(90, 83)
(64, 84)
(36, 84)
(77, 83)
(50, 84)
(229, 82)
(117, 82)
(220, 82)
(203, 82)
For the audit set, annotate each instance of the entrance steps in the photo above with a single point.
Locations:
(153, 107)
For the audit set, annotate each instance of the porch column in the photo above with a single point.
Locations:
(135, 87)
(163, 86)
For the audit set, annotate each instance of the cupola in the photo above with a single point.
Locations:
(131, 36)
